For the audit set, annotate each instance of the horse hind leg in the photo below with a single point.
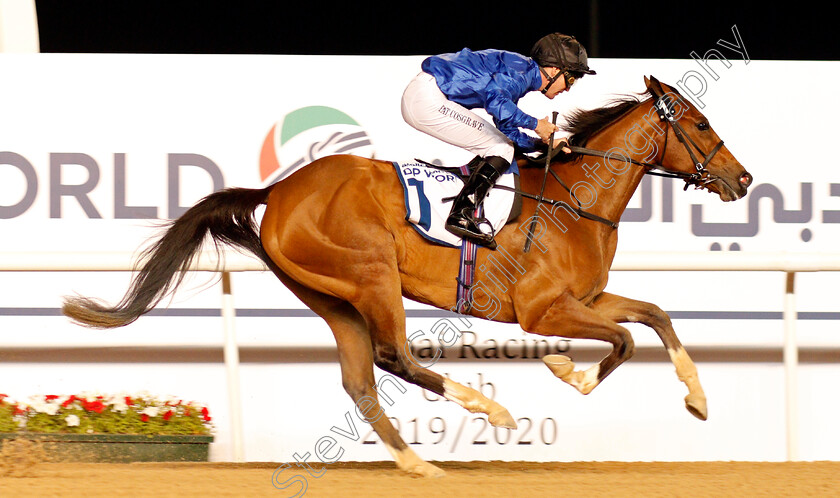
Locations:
(622, 309)
(355, 356)
(385, 315)
(356, 359)
(398, 360)
(475, 402)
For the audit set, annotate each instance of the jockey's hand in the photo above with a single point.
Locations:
(562, 144)
(545, 128)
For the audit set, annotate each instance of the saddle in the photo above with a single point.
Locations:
(429, 192)
(508, 182)
(464, 172)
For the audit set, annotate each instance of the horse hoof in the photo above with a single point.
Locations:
(696, 405)
(425, 469)
(561, 366)
(502, 419)
(408, 461)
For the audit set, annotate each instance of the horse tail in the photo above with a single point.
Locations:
(227, 216)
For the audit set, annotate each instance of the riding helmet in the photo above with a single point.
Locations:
(561, 51)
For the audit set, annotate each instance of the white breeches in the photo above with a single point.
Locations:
(427, 109)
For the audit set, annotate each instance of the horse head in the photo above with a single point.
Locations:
(698, 154)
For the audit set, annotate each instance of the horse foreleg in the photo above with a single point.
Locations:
(622, 309)
(568, 317)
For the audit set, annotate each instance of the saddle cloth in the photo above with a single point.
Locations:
(426, 188)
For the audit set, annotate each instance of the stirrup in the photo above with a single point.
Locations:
(467, 227)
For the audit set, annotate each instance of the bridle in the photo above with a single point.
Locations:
(664, 105)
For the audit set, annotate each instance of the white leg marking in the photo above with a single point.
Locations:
(464, 396)
(686, 370)
(475, 402)
(586, 382)
(695, 402)
(408, 461)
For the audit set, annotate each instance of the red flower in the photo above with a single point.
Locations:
(67, 401)
(128, 401)
(144, 417)
(50, 397)
(95, 406)
(168, 415)
(3, 396)
(206, 414)
(18, 410)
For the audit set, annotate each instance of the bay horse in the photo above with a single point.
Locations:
(335, 234)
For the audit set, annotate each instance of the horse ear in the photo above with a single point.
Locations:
(654, 85)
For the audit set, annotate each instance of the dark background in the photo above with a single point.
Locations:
(780, 31)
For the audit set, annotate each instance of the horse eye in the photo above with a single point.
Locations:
(703, 126)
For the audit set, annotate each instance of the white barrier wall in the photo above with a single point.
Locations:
(18, 27)
(95, 148)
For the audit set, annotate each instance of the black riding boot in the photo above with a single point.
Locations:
(462, 221)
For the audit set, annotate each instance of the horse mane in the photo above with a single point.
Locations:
(583, 124)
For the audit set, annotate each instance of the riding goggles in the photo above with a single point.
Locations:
(568, 76)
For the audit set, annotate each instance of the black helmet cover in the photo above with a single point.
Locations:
(561, 51)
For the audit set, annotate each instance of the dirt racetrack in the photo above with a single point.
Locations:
(481, 479)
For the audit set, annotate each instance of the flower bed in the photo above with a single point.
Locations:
(8, 414)
(99, 414)
(97, 428)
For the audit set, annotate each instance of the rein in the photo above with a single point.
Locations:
(577, 210)
(664, 107)
(545, 177)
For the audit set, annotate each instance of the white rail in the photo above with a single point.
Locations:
(789, 263)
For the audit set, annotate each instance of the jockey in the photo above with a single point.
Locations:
(438, 102)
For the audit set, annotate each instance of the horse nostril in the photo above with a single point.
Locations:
(746, 180)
